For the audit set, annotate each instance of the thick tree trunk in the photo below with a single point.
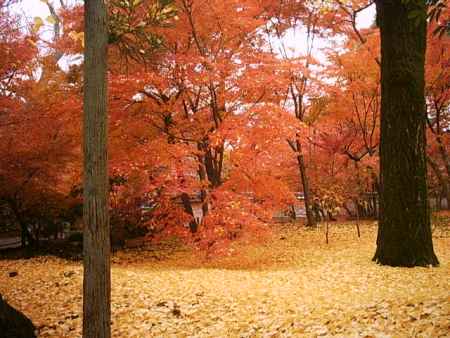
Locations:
(310, 221)
(96, 245)
(404, 233)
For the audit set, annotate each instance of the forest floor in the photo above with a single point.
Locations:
(293, 285)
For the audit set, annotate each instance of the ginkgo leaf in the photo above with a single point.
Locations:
(291, 287)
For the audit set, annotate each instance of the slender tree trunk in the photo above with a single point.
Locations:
(444, 154)
(347, 209)
(446, 179)
(375, 200)
(25, 234)
(203, 179)
(96, 245)
(445, 184)
(404, 232)
(357, 223)
(310, 221)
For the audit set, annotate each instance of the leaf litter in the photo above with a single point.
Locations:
(293, 285)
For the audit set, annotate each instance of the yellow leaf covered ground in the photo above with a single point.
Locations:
(294, 285)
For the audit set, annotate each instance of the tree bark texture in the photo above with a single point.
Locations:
(404, 233)
(96, 245)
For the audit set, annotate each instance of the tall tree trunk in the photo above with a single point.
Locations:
(203, 179)
(404, 232)
(310, 221)
(375, 195)
(445, 184)
(444, 154)
(96, 245)
(25, 234)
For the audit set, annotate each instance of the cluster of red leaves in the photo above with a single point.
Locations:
(207, 109)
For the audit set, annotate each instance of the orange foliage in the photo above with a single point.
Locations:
(209, 106)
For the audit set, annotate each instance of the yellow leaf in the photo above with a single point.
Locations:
(38, 23)
(77, 36)
(51, 19)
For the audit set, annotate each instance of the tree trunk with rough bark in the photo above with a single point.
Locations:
(96, 245)
(404, 233)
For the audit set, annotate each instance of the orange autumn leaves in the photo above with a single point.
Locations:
(207, 112)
